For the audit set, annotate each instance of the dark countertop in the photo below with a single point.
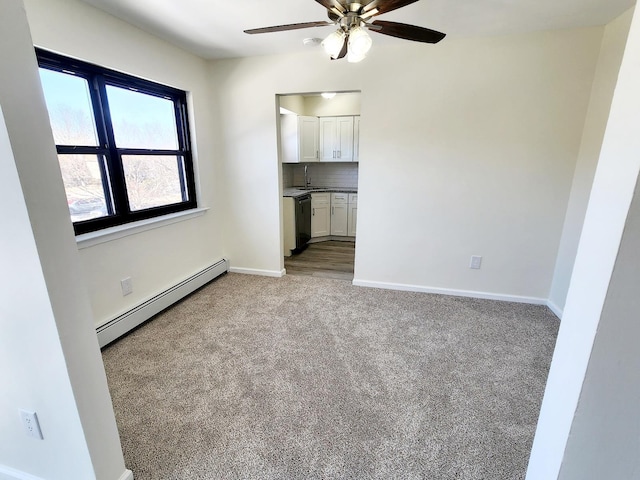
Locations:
(299, 191)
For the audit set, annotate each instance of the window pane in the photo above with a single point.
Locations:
(70, 109)
(153, 181)
(141, 120)
(83, 184)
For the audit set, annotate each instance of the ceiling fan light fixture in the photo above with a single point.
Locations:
(359, 42)
(370, 13)
(333, 43)
(354, 58)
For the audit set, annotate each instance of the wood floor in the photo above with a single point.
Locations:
(324, 259)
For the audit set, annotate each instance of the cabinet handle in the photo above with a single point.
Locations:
(317, 154)
(334, 154)
(313, 212)
(339, 153)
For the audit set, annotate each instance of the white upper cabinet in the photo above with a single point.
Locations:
(299, 138)
(324, 139)
(344, 142)
(308, 139)
(327, 139)
(356, 138)
(289, 138)
(336, 139)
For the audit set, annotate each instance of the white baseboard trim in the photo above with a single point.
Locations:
(127, 475)
(557, 311)
(451, 292)
(7, 473)
(121, 324)
(255, 271)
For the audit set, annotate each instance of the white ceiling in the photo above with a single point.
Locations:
(214, 28)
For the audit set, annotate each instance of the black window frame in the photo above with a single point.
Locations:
(112, 170)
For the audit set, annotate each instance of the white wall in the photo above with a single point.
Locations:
(159, 258)
(293, 103)
(467, 148)
(613, 43)
(341, 104)
(604, 440)
(49, 356)
(613, 189)
(344, 103)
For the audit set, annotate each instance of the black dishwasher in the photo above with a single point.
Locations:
(303, 221)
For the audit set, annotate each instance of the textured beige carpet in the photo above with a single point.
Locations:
(303, 377)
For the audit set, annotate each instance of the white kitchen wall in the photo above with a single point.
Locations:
(313, 104)
(470, 148)
(293, 103)
(327, 174)
(156, 259)
(613, 45)
(341, 104)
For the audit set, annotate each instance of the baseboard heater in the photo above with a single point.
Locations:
(120, 325)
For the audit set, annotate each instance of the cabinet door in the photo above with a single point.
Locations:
(356, 138)
(352, 219)
(344, 139)
(289, 218)
(339, 219)
(328, 139)
(320, 220)
(320, 214)
(289, 138)
(308, 138)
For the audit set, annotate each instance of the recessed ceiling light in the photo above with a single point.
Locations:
(312, 42)
(328, 95)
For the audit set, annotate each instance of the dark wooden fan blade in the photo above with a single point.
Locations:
(332, 16)
(329, 4)
(343, 52)
(293, 26)
(385, 6)
(407, 32)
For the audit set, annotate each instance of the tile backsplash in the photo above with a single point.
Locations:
(321, 175)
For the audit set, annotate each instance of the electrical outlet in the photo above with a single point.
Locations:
(127, 286)
(31, 424)
(476, 262)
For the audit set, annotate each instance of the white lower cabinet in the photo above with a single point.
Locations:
(339, 209)
(333, 214)
(352, 215)
(289, 220)
(320, 214)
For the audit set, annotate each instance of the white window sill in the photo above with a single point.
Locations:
(91, 239)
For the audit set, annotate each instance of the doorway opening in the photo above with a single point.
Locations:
(319, 158)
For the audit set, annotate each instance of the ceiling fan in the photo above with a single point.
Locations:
(353, 18)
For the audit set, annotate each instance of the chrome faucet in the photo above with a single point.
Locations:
(307, 180)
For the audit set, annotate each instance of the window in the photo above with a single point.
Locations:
(122, 142)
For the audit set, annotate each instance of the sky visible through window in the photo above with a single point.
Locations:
(142, 121)
(139, 120)
(70, 109)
